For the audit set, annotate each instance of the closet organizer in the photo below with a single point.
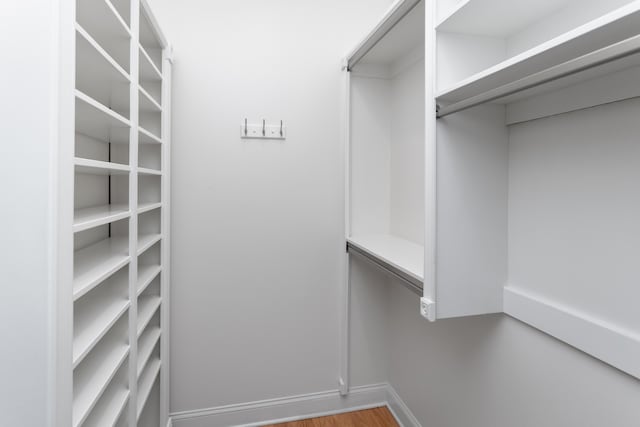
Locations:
(114, 225)
(492, 162)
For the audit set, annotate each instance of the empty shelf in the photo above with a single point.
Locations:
(89, 388)
(146, 137)
(86, 218)
(147, 307)
(148, 171)
(88, 335)
(479, 17)
(146, 344)
(147, 103)
(110, 407)
(148, 70)
(146, 241)
(146, 207)
(609, 29)
(94, 264)
(401, 257)
(145, 384)
(98, 167)
(103, 22)
(146, 275)
(99, 122)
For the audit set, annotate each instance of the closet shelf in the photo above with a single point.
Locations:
(146, 137)
(146, 241)
(86, 218)
(101, 19)
(147, 103)
(148, 171)
(147, 307)
(96, 263)
(146, 207)
(149, 135)
(110, 407)
(88, 392)
(99, 122)
(92, 58)
(145, 384)
(148, 70)
(146, 275)
(600, 33)
(398, 256)
(146, 344)
(97, 167)
(479, 17)
(87, 336)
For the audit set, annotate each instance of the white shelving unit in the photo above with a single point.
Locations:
(532, 149)
(119, 355)
(499, 177)
(386, 150)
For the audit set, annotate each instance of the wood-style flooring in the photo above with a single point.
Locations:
(376, 417)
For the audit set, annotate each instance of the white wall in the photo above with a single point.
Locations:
(257, 226)
(257, 236)
(494, 371)
(28, 56)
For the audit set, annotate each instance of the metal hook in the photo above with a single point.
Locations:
(264, 130)
(281, 134)
(246, 131)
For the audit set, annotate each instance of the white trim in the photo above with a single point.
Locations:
(608, 342)
(400, 410)
(286, 409)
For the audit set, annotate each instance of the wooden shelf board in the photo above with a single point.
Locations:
(146, 137)
(148, 171)
(403, 255)
(87, 218)
(146, 207)
(100, 19)
(99, 122)
(96, 263)
(86, 338)
(88, 51)
(89, 391)
(146, 345)
(148, 70)
(97, 167)
(479, 17)
(155, 139)
(147, 307)
(146, 275)
(109, 409)
(613, 27)
(146, 241)
(145, 384)
(148, 103)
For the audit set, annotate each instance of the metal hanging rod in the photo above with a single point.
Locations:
(398, 11)
(407, 281)
(614, 52)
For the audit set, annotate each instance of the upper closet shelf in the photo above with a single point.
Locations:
(602, 40)
(398, 256)
(99, 122)
(147, 103)
(480, 17)
(146, 137)
(103, 22)
(148, 69)
(94, 264)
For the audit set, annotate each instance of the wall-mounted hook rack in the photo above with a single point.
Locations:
(263, 130)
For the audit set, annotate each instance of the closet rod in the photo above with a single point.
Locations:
(398, 11)
(614, 52)
(407, 281)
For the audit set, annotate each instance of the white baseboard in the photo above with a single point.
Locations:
(298, 407)
(608, 342)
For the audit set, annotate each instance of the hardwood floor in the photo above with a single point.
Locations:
(376, 417)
